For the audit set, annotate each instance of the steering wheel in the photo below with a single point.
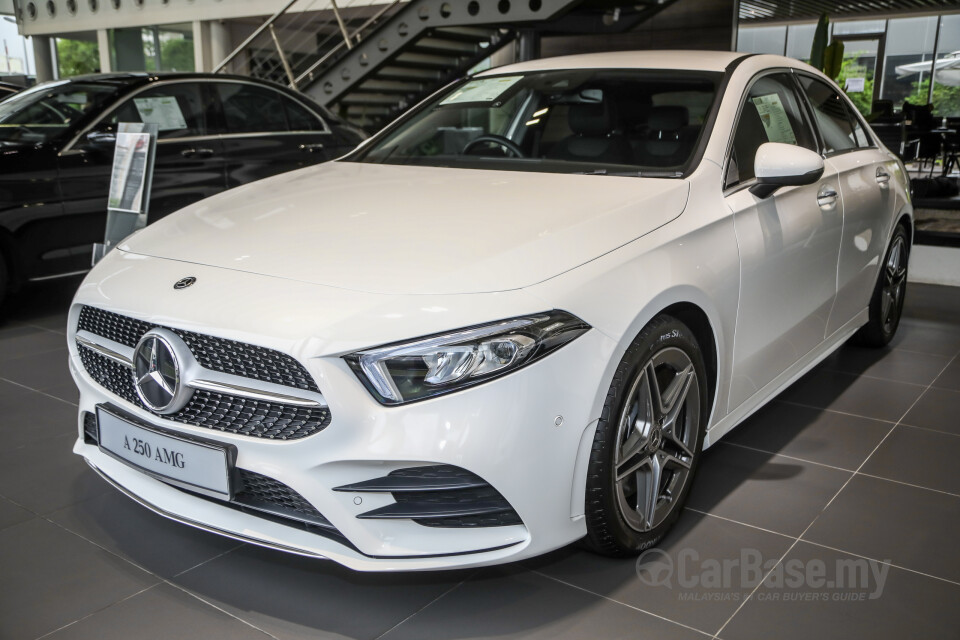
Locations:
(506, 143)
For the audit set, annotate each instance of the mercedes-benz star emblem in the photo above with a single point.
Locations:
(183, 283)
(157, 372)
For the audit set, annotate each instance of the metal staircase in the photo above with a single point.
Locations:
(375, 61)
(424, 45)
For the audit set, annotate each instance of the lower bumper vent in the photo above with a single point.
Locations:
(256, 494)
(438, 496)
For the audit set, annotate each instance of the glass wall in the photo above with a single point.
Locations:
(160, 48)
(904, 73)
(946, 86)
(800, 41)
(762, 40)
(909, 44)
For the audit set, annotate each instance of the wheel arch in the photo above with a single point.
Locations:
(695, 308)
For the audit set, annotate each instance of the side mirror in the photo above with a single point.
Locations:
(783, 165)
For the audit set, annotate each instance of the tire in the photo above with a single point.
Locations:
(650, 445)
(886, 303)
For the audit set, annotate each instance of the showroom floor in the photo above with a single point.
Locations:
(856, 464)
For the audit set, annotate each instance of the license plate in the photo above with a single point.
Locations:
(189, 463)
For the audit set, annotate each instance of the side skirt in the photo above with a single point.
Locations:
(785, 379)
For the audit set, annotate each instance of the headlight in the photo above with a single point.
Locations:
(434, 365)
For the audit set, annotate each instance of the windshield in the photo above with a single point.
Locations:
(45, 112)
(574, 121)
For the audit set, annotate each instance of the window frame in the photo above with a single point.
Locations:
(741, 101)
(70, 147)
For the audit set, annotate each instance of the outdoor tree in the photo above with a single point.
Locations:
(946, 99)
(77, 57)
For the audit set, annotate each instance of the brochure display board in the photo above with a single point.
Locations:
(130, 183)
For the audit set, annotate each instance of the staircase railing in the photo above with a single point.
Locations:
(281, 42)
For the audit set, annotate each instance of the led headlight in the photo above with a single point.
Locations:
(434, 365)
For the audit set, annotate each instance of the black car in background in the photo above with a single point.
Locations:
(216, 132)
(7, 89)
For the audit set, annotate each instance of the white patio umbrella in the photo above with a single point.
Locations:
(948, 69)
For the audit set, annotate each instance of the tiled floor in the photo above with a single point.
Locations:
(852, 475)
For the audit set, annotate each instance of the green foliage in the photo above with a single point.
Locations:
(77, 57)
(946, 99)
(177, 54)
(819, 42)
(833, 59)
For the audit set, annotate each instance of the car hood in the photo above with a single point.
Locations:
(414, 230)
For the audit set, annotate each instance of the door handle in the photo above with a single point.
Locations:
(203, 153)
(310, 148)
(882, 176)
(827, 197)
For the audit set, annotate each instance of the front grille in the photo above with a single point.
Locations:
(216, 354)
(218, 411)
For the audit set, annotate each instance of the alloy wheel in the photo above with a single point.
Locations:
(894, 277)
(656, 438)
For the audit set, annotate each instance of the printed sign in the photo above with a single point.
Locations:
(129, 172)
(482, 90)
(162, 111)
(775, 120)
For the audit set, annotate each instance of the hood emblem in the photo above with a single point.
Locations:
(157, 373)
(183, 283)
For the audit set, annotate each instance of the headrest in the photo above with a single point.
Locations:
(669, 118)
(590, 119)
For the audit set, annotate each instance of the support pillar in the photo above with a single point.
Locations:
(43, 57)
(220, 44)
(103, 47)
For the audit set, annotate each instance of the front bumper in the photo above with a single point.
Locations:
(504, 431)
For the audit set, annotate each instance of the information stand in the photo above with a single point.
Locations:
(130, 182)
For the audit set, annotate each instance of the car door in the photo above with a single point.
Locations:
(189, 163)
(788, 242)
(266, 132)
(863, 173)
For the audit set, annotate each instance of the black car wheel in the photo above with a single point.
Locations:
(648, 440)
(886, 304)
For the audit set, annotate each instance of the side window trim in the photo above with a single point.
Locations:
(283, 96)
(801, 99)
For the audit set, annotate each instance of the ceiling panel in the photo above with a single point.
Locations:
(781, 10)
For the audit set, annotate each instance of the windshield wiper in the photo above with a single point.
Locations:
(630, 174)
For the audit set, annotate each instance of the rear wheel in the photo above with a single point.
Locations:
(648, 440)
(886, 304)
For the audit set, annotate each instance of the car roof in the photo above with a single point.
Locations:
(136, 78)
(692, 60)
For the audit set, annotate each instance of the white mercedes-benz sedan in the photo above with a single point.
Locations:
(510, 321)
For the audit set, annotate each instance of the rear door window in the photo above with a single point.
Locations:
(248, 108)
(832, 116)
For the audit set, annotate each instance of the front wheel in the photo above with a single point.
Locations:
(648, 440)
(886, 303)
